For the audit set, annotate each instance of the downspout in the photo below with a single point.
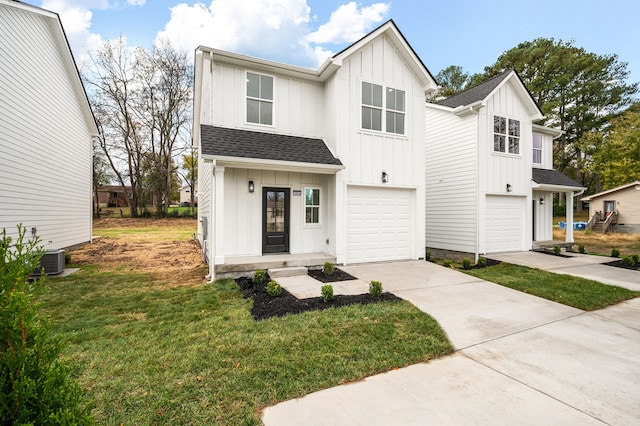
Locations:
(475, 111)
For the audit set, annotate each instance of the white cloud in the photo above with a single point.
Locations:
(274, 29)
(349, 23)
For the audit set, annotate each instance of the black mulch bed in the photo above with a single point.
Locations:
(490, 262)
(619, 264)
(265, 306)
(338, 275)
(552, 253)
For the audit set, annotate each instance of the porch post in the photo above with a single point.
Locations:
(218, 216)
(569, 214)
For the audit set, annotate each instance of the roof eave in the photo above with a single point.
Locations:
(555, 188)
(264, 164)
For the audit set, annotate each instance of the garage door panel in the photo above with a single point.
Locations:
(504, 223)
(379, 224)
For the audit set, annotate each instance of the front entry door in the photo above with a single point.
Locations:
(275, 220)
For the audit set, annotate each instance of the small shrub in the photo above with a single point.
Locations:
(556, 250)
(328, 269)
(327, 293)
(466, 263)
(482, 262)
(581, 249)
(259, 277)
(67, 258)
(447, 263)
(274, 289)
(636, 259)
(628, 261)
(375, 288)
(427, 256)
(615, 252)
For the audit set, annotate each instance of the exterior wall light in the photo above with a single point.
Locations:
(508, 187)
(541, 201)
(385, 177)
(251, 186)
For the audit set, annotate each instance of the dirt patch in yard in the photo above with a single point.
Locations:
(179, 259)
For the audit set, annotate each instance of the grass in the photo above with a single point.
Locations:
(597, 243)
(149, 350)
(573, 291)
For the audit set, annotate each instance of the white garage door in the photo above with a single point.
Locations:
(504, 223)
(378, 224)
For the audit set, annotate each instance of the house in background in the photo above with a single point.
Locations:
(113, 195)
(615, 209)
(46, 126)
(327, 164)
(489, 171)
(185, 196)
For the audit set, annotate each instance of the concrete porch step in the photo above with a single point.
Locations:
(287, 272)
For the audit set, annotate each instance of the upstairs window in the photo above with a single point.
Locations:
(371, 106)
(259, 99)
(537, 148)
(506, 135)
(312, 205)
(379, 111)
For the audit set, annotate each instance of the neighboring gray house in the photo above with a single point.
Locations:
(46, 126)
(489, 171)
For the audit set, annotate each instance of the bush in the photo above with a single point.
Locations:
(327, 292)
(37, 387)
(556, 250)
(615, 252)
(274, 289)
(259, 277)
(67, 258)
(482, 262)
(581, 249)
(375, 288)
(628, 261)
(466, 263)
(427, 256)
(636, 258)
(328, 269)
(447, 263)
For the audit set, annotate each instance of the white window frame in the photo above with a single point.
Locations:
(265, 100)
(384, 109)
(534, 149)
(506, 135)
(313, 206)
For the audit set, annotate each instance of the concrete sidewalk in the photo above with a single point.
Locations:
(519, 360)
(579, 265)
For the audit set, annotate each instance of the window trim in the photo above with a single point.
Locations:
(507, 135)
(318, 206)
(247, 98)
(383, 109)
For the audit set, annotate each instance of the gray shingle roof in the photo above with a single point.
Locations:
(226, 142)
(552, 177)
(476, 93)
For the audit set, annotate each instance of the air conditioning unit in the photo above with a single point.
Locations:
(52, 262)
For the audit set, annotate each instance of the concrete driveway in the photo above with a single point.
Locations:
(519, 360)
(579, 265)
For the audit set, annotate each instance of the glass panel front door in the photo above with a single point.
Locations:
(275, 221)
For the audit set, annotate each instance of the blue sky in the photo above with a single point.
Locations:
(468, 33)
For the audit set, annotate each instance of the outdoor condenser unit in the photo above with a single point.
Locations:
(52, 262)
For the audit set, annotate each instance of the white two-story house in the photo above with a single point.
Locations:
(296, 161)
(489, 171)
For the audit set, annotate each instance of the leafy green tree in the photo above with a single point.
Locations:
(452, 80)
(37, 387)
(578, 92)
(618, 159)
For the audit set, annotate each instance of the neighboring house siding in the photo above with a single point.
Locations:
(627, 204)
(45, 141)
(451, 186)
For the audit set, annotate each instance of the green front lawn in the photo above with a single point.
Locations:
(573, 291)
(152, 351)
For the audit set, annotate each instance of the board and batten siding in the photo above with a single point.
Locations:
(451, 181)
(45, 139)
(298, 104)
(243, 211)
